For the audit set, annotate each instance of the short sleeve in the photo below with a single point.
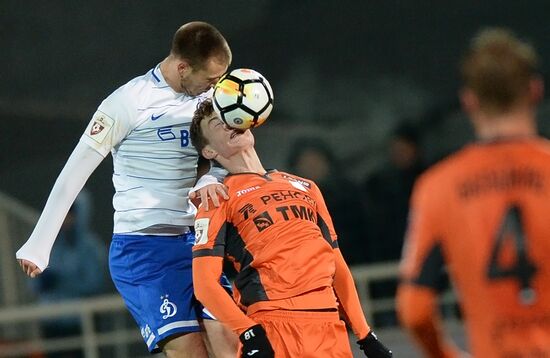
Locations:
(109, 125)
(210, 232)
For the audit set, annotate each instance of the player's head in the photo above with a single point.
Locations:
(203, 56)
(312, 157)
(499, 73)
(213, 138)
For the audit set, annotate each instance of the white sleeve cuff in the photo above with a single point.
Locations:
(205, 180)
(215, 175)
(80, 165)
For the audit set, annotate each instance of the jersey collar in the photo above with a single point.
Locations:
(158, 78)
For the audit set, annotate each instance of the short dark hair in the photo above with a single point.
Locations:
(204, 109)
(197, 42)
(498, 68)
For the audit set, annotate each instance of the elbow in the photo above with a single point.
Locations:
(204, 289)
(206, 275)
(200, 294)
(199, 289)
(410, 320)
(415, 306)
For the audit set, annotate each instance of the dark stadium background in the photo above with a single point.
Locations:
(346, 71)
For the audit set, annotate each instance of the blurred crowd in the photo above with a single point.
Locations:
(370, 216)
(78, 271)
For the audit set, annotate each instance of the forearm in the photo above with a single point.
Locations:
(346, 292)
(206, 280)
(70, 181)
(427, 335)
(418, 314)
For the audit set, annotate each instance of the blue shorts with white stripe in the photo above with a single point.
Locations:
(154, 277)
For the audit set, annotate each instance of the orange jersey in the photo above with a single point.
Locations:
(277, 231)
(484, 213)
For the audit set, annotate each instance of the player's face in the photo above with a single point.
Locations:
(201, 80)
(224, 140)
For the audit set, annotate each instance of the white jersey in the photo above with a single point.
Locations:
(145, 125)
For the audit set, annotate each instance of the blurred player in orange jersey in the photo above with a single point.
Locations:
(483, 213)
(291, 277)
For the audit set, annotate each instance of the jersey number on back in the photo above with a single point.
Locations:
(523, 269)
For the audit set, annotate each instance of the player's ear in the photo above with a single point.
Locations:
(469, 100)
(183, 67)
(536, 89)
(209, 153)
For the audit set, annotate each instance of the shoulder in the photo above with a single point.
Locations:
(299, 182)
(132, 95)
(438, 176)
(541, 145)
(213, 212)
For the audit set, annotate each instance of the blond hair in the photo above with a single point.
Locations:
(498, 68)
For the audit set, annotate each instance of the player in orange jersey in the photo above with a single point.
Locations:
(277, 231)
(484, 213)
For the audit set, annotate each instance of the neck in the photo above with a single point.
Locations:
(246, 161)
(169, 70)
(520, 123)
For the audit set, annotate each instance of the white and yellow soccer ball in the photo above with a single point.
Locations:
(243, 98)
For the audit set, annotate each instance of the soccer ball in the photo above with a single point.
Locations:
(243, 98)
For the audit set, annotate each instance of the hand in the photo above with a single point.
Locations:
(212, 191)
(373, 348)
(255, 343)
(29, 268)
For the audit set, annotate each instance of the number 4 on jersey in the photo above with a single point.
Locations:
(523, 269)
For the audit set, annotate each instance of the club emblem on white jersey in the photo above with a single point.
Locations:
(96, 128)
(99, 127)
(168, 308)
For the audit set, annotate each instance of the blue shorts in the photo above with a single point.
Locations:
(154, 277)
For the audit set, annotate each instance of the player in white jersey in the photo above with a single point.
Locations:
(145, 125)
